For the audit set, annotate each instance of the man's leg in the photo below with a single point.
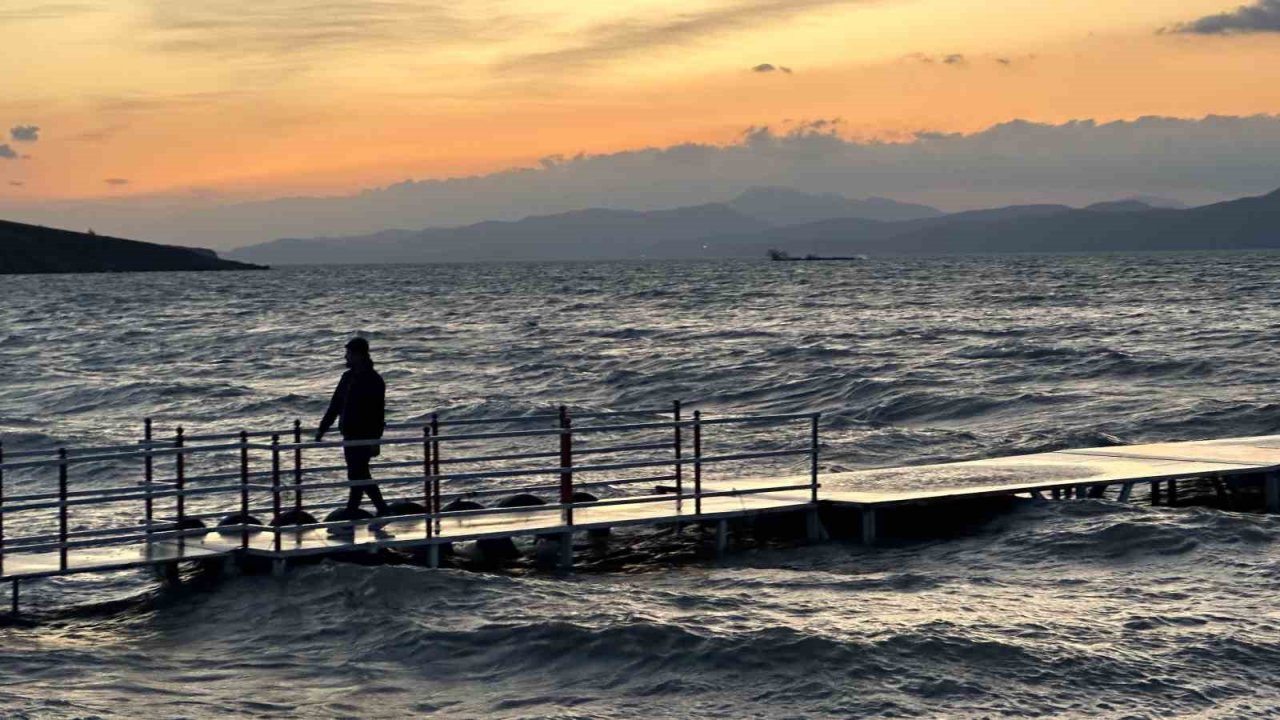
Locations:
(375, 494)
(357, 469)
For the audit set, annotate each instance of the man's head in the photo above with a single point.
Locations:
(357, 352)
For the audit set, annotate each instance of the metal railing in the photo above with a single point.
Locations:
(255, 477)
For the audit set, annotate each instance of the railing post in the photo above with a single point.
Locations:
(2, 508)
(297, 470)
(180, 467)
(435, 468)
(677, 445)
(813, 457)
(275, 487)
(62, 508)
(566, 465)
(148, 477)
(427, 502)
(244, 488)
(697, 462)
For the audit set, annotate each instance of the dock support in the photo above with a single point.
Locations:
(566, 551)
(1125, 491)
(433, 556)
(167, 573)
(1220, 489)
(1173, 493)
(278, 567)
(813, 526)
(1272, 492)
(1037, 495)
(868, 526)
(13, 603)
(1155, 492)
(722, 537)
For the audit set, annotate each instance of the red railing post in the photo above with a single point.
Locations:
(297, 471)
(677, 445)
(813, 457)
(697, 462)
(566, 465)
(180, 470)
(148, 477)
(244, 488)
(62, 508)
(275, 487)
(1, 508)
(435, 469)
(427, 502)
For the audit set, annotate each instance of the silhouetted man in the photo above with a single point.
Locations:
(359, 406)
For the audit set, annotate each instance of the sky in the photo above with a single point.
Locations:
(219, 122)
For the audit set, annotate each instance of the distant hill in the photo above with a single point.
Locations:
(728, 230)
(583, 235)
(784, 206)
(36, 249)
(1248, 223)
(595, 234)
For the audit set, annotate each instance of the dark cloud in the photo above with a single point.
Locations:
(953, 59)
(116, 181)
(1004, 61)
(8, 153)
(613, 40)
(24, 133)
(16, 183)
(769, 67)
(1263, 16)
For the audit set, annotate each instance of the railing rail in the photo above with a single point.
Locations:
(236, 493)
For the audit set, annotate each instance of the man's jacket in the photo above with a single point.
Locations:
(358, 404)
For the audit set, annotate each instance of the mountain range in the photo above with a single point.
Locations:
(799, 224)
(594, 234)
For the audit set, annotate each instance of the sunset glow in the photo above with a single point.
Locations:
(252, 99)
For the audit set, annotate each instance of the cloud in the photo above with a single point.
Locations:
(953, 59)
(1263, 16)
(24, 133)
(617, 39)
(1192, 160)
(769, 67)
(116, 181)
(16, 183)
(292, 31)
(45, 11)
(8, 153)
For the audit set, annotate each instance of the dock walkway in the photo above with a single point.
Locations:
(259, 498)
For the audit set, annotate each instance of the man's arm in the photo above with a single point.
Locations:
(335, 407)
(380, 417)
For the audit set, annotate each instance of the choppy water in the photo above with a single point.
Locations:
(1071, 609)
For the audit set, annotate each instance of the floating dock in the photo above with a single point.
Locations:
(261, 494)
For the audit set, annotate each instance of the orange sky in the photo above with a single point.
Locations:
(256, 98)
